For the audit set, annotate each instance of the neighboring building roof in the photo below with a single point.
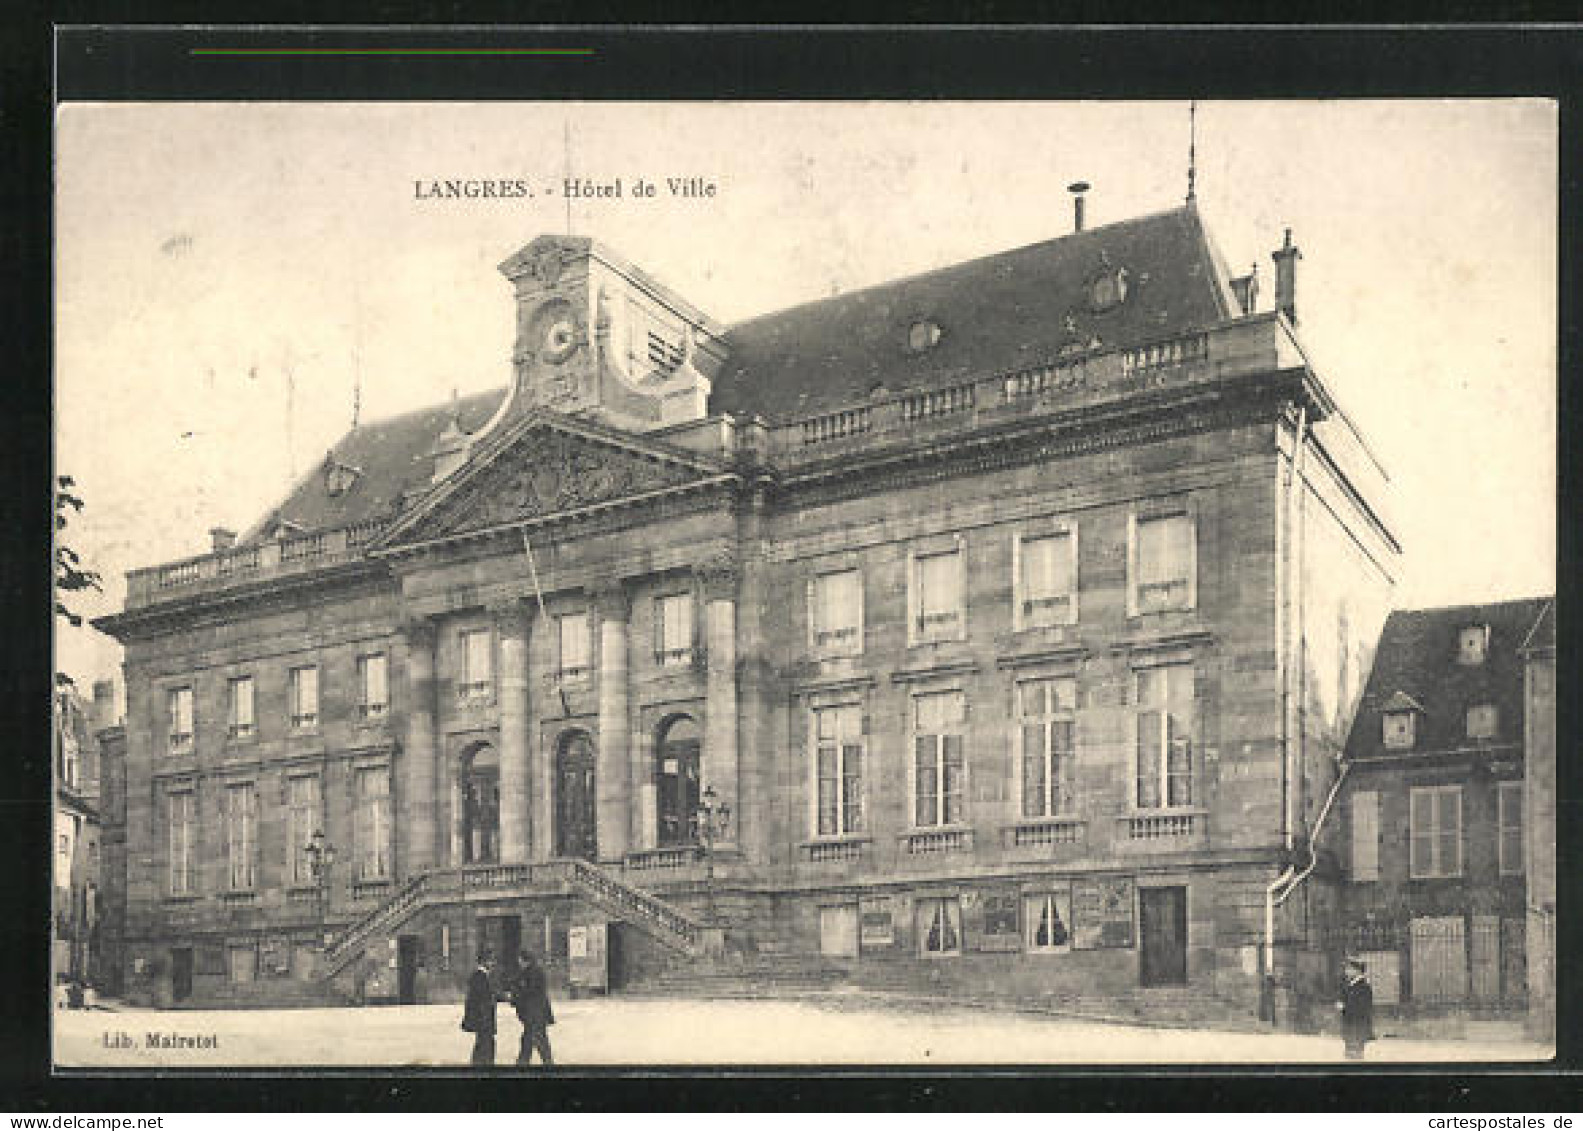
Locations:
(1542, 637)
(391, 456)
(1002, 312)
(1417, 659)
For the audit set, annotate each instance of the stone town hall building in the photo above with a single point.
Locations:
(1015, 612)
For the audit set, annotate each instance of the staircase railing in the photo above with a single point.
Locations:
(386, 914)
(630, 902)
(649, 912)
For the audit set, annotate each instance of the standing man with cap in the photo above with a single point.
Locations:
(1357, 1009)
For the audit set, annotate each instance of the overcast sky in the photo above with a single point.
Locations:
(223, 273)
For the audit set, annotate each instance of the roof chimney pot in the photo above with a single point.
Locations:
(1077, 189)
(221, 538)
(1286, 257)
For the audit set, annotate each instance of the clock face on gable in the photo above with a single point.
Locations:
(555, 331)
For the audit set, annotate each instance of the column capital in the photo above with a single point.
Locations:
(511, 613)
(419, 631)
(718, 575)
(612, 596)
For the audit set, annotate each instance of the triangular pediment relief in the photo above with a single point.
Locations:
(544, 467)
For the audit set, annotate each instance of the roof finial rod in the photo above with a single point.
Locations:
(1192, 150)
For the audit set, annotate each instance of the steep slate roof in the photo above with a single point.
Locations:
(1001, 312)
(1417, 657)
(392, 455)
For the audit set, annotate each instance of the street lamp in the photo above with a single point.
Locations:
(711, 821)
(321, 858)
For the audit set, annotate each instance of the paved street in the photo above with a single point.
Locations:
(627, 1032)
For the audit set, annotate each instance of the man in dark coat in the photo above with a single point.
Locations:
(478, 1015)
(1357, 1009)
(531, 998)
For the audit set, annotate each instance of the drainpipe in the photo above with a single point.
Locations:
(1288, 778)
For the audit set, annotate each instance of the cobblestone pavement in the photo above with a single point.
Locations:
(669, 1032)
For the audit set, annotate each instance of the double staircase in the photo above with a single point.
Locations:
(617, 898)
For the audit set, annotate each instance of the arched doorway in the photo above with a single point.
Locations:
(676, 774)
(479, 778)
(574, 796)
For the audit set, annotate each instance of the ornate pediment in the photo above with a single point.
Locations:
(545, 471)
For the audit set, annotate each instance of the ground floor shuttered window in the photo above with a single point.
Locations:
(940, 925)
(1047, 917)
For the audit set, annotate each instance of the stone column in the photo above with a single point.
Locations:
(719, 583)
(512, 618)
(419, 797)
(613, 785)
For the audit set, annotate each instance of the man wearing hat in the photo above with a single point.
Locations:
(1357, 1008)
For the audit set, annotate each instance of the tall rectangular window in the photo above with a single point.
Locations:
(937, 593)
(838, 765)
(575, 658)
(1435, 821)
(371, 828)
(302, 821)
(674, 623)
(304, 694)
(181, 836)
(373, 686)
(178, 710)
(240, 702)
(1046, 719)
(1509, 802)
(1163, 771)
(837, 611)
(938, 759)
(241, 816)
(1365, 835)
(478, 669)
(1163, 563)
(1046, 581)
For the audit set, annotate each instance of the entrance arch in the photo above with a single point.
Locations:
(676, 779)
(479, 780)
(575, 829)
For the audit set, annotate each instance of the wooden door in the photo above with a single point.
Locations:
(407, 969)
(1162, 944)
(181, 973)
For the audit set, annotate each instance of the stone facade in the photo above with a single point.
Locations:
(1026, 668)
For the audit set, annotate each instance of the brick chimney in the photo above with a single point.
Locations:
(1286, 257)
(221, 538)
(1077, 189)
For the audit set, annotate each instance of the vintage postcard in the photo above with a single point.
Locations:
(652, 584)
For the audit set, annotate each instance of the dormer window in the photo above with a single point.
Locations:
(1400, 730)
(1473, 644)
(339, 478)
(1483, 720)
(923, 335)
(1108, 290)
